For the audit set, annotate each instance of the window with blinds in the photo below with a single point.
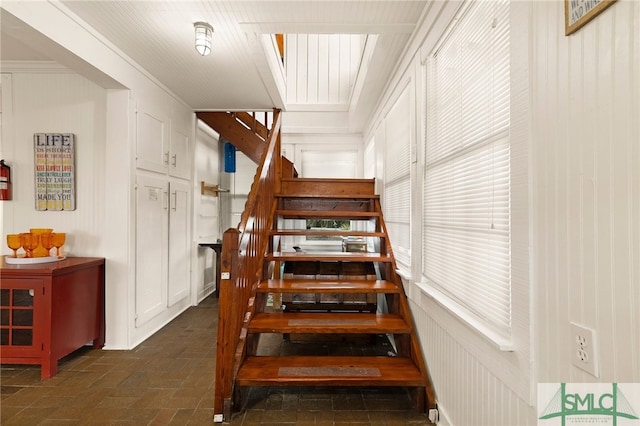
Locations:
(397, 174)
(466, 211)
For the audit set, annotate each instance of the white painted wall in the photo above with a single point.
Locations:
(586, 189)
(576, 107)
(335, 153)
(239, 185)
(312, 78)
(58, 103)
(206, 211)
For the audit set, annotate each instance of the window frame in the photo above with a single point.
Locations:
(504, 340)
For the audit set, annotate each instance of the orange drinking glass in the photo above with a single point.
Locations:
(58, 239)
(40, 250)
(46, 241)
(29, 242)
(13, 241)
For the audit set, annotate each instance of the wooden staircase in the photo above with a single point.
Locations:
(269, 288)
(340, 199)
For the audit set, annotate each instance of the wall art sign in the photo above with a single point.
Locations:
(578, 12)
(54, 168)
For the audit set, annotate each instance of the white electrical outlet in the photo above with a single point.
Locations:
(434, 415)
(584, 349)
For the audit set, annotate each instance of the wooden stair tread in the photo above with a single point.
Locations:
(329, 256)
(332, 233)
(328, 214)
(334, 307)
(327, 286)
(331, 196)
(330, 180)
(327, 323)
(329, 371)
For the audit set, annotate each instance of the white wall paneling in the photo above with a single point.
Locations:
(470, 390)
(369, 159)
(328, 162)
(322, 69)
(396, 204)
(586, 188)
(118, 240)
(61, 102)
(337, 165)
(239, 185)
(476, 382)
(207, 208)
(6, 148)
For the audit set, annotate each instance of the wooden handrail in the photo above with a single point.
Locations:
(252, 123)
(242, 266)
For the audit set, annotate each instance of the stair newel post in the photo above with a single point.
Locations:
(230, 315)
(278, 152)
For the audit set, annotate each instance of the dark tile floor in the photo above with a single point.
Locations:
(168, 380)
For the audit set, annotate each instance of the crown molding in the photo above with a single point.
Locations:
(33, 67)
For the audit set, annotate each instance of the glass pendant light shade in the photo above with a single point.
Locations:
(204, 33)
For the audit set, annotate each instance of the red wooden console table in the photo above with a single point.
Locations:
(49, 310)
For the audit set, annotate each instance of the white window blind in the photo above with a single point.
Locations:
(466, 211)
(397, 189)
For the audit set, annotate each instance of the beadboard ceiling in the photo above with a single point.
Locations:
(159, 36)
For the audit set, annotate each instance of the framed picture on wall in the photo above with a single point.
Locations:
(578, 12)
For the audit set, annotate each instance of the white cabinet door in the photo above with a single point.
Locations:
(179, 247)
(179, 158)
(151, 247)
(152, 139)
(160, 145)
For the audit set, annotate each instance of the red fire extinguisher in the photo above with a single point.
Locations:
(5, 181)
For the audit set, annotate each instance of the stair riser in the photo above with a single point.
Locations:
(328, 214)
(327, 187)
(316, 204)
(330, 257)
(342, 287)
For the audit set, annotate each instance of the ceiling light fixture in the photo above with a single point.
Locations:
(204, 33)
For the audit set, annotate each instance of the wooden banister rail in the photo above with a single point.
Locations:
(242, 265)
(253, 124)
